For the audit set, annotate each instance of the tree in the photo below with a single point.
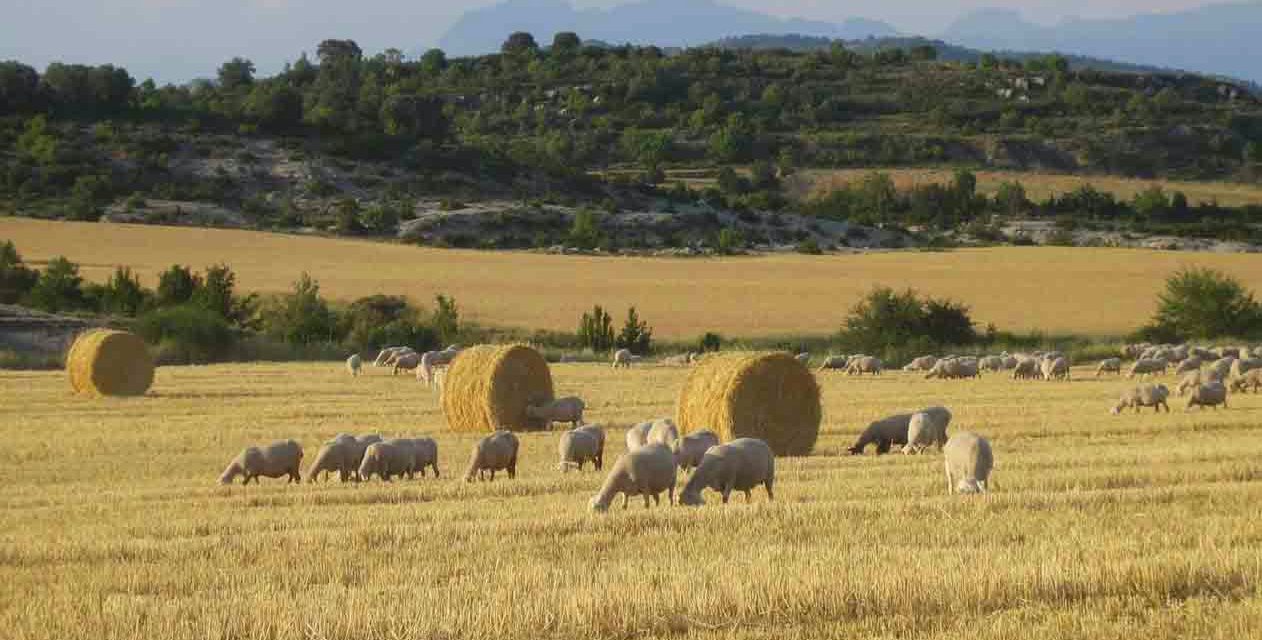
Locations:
(636, 334)
(446, 320)
(433, 62)
(584, 233)
(16, 279)
(924, 52)
(59, 287)
(275, 106)
(348, 223)
(176, 286)
(1010, 198)
(237, 73)
(19, 88)
(1151, 203)
(302, 317)
(217, 293)
(414, 116)
(710, 342)
(595, 330)
(1204, 304)
(730, 241)
(1253, 152)
(566, 42)
(519, 43)
(123, 293)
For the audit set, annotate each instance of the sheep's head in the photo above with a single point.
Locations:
(970, 486)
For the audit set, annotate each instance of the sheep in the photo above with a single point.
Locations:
(384, 355)
(1132, 351)
(925, 429)
(1026, 369)
(638, 435)
(691, 448)
(1252, 378)
(990, 363)
(923, 363)
(492, 453)
(1009, 362)
(664, 431)
(680, 360)
(864, 364)
(281, 458)
(646, 471)
(1109, 365)
(969, 461)
(580, 445)
(1245, 365)
(387, 459)
(1145, 395)
(425, 454)
(354, 364)
(342, 454)
(1204, 354)
(432, 360)
(834, 362)
(1190, 363)
(622, 358)
(1208, 394)
(396, 353)
(567, 409)
(892, 430)
(739, 465)
(1222, 367)
(1055, 368)
(405, 362)
(956, 369)
(1147, 366)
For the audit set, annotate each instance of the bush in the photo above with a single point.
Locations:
(710, 342)
(301, 317)
(187, 334)
(636, 334)
(885, 320)
(595, 330)
(123, 293)
(59, 287)
(1204, 304)
(16, 279)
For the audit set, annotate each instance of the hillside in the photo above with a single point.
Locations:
(571, 144)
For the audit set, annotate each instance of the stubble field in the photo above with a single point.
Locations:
(1098, 526)
(1099, 292)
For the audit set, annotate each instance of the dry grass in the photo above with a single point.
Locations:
(1015, 288)
(1038, 186)
(1100, 526)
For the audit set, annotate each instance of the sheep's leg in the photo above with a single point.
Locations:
(670, 496)
(492, 475)
(626, 497)
(749, 496)
(770, 495)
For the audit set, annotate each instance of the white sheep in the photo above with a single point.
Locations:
(1253, 379)
(1145, 395)
(646, 471)
(281, 458)
(990, 363)
(664, 431)
(739, 465)
(1245, 365)
(1026, 369)
(923, 363)
(1190, 363)
(581, 445)
(384, 356)
(567, 409)
(834, 362)
(1055, 368)
(354, 364)
(1109, 365)
(622, 358)
(954, 369)
(691, 448)
(969, 461)
(493, 453)
(864, 364)
(926, 429)
(1222, 367)
(1209, 394)
(433, 361)
(638, 435)
(893, 430)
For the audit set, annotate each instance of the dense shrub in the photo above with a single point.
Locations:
(187, 333)
(636, 334)
(16, 279)
(1203, 304)
(885, 319)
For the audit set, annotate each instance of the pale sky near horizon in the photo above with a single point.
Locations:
(177, 40)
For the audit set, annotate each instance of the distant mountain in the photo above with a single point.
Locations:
(666, 23)
(1222, 39)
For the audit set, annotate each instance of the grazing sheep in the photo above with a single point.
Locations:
(956, 369)
(599, 432)
(578, 446)
(385, 354)
(638, 436)
(739, 465)
(425, 454)
(990, 363)
(1147, 366)
(1109, 365)
(691, 448)
(1222, 367)
(923, 363)
(646, 471)
(405, 362)
(622, 358)
(280, 458)
(1027, 369)
(1190, 363)
(892, 430)
(1009, 362)
(1055, 368)
(1208, 394)
(663, 431)
(1252, 378)
(354, 364)
(1189, 381)
(492, 453)
(862, 365)
(927, 428)
(969, 460)
(1245, 365)
(397, 353)
(431, 361)
(342, 454)
(567, 409)
(387, 459)
(680, 360)
(834, 362)
(1145, 395)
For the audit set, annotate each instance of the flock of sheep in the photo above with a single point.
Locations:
(656, 452)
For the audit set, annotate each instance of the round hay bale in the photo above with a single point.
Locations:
(770, 396)
(488, 387)
(103, 362)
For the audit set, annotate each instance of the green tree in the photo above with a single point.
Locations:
(1253, 152)
(584, 233)
(433, 62)
(519, 43)
(382, 218)
(237, 73)
(595, 330)
(566, 42)
(59, 287)
(217, 293)
(1204, 304)
(37, 142)
(710, 342)
(123, 293)
(348, 223)
(636, 334)
(1010, 198)
(1151, 203)
(301, 317)
(16, 279)
(177, 286)
(729, 241)
(446, 320)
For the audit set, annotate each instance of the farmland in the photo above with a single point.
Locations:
(1099, 526)
(1100, 292)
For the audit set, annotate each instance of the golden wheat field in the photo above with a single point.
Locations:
(1098, 526)
(1058, 290)
(1038, 186)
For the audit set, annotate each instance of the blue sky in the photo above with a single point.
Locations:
(175, 40)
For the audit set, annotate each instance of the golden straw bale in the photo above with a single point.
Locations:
(770, 396)
(103, 362)
(488, 387)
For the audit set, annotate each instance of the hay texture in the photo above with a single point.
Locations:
(769, 396)
(103, 362)
(488, 387)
